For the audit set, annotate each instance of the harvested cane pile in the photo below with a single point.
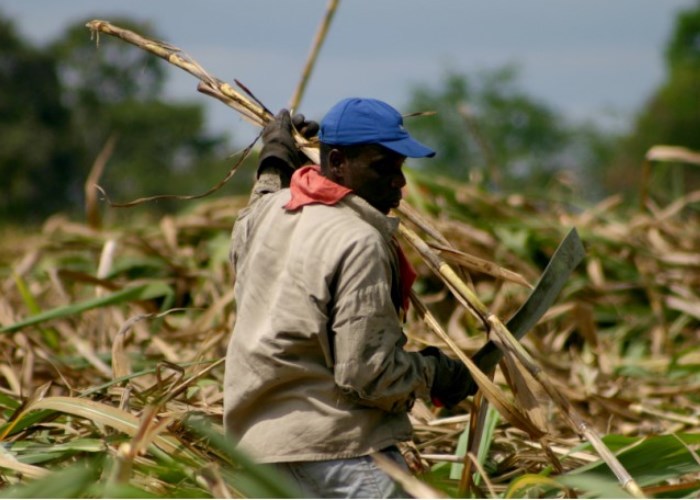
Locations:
(114, 341)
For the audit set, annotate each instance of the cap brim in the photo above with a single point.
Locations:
(409, 147)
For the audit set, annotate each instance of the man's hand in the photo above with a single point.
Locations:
(279, 148)
(307, 128)
(452, 382)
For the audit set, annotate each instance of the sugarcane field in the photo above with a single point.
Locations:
(557, 270)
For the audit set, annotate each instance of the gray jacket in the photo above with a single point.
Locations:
(315, 367)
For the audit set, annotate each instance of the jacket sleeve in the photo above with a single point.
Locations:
(371, 366)
(270, 180)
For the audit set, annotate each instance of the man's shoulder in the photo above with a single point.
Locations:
(342, 219)
(263, 204)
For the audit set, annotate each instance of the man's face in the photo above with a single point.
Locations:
(375, 175)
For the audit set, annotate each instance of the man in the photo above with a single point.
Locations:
(316, 375)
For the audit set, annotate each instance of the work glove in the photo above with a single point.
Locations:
(452, 382)
(279, 148)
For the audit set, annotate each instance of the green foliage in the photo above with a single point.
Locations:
(485, 125)
(672, 114)
(61, 103)
(36, 158)
(683, 50)
(139, 292)
(116, 89)
(70, 482)
(487, 130)
(650, 460)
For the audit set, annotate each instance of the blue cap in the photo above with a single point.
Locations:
(369, 121)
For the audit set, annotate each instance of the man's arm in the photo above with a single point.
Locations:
(269, 180)
(371, 365)
(280, 157)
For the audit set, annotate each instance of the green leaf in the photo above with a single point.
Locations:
(535, 485)
(651, 460)
(595, 486)
(128, 491)
(8, 402)
(141, 292)
(491, 421)
(50, 335)
(67, 483)
(32, 453)
(254, 480)
(110, 416)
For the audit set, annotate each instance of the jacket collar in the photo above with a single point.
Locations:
(308, 187)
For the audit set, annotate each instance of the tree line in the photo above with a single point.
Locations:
(488, 130)
(60, 104)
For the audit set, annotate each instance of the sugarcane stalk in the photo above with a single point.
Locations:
(500, 334)
(490, 390)
(507, 343)
(313, 55)
(206, 89)
(420, 221)
(462, 292)
(175, 57)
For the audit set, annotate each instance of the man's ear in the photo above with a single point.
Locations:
(336, 164)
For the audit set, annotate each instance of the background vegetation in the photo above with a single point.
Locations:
(112, 337)
(62, 102)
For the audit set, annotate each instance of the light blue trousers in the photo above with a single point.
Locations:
(358, 477)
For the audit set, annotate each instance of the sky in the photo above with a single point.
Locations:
(589, 59)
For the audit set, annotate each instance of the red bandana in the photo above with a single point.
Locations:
(309, 186)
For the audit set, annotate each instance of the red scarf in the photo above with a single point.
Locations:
(309, 186)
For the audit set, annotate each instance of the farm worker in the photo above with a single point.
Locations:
(317, 377)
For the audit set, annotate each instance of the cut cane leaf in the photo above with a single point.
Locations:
(71, 482)
(526, 390)
(490, 390)
(480, 265)
(650, 460)
(141, 292)
(9, 461)
(109, 416)
(523, 486)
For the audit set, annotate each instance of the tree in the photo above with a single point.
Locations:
(489, 131)
(116, 89)
(672, 114)
(37, 154)
(60, 104)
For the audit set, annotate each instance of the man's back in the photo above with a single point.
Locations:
(308, 283)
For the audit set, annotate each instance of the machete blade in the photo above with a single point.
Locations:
(565, 259)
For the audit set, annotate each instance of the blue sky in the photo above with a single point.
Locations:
(590, 59)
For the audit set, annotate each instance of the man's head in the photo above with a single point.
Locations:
(363, 147)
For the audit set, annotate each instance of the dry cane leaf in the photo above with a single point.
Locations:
(410, 483)
(490, 390)
(685, 306)
(526, 390)
(121, 366)
(480, 265)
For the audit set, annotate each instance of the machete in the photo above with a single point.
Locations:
(565, 259)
